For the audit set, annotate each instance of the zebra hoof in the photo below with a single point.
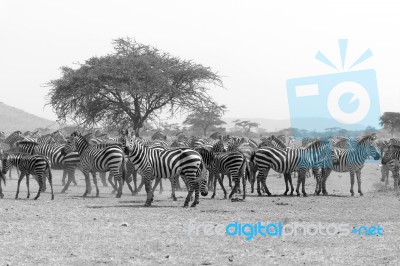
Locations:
(52, 197)
(213, 196)
(174, 199)
(361, 194)
(325, 193)
(1, 195)
(28, 196)
(193, 204)
(160, 192)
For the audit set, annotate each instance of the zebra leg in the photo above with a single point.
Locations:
(173, 185)
(114, 185)
(325, 174)
(189, 195)
(27, 186)
(291, 184)
(301, 175)
(103, 179)
(71, 177)
(19, 182)
(196, 195)
(88, 185)
(134, 178)
(149, 192)
(95, 183)
(285, 175)
(303, 183)
(263, 181)
(318, 177)
(64, 176)
(40, 181)
(43, 182)
(236, 186)
(358, 174)
(50, 178)
(210, 180)
(351, 183)
(229, 179)
(221, 183)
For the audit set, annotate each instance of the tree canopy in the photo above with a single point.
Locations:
(390, 121)
(246, 125)
(133, 84)
(206, 118)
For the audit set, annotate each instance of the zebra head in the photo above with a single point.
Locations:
(367, 145)
(391, 153)
(70, 146)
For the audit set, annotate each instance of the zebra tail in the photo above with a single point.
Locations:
(248, 172)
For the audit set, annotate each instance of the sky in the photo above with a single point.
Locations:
(256, 46)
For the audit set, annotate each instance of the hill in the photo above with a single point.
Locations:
(12, 119)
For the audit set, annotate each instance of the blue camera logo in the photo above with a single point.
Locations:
(345, 100)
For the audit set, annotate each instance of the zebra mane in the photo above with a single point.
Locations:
(316, 144)
(368, 138)
(26, 142)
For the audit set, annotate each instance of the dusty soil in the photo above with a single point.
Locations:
(72, 230)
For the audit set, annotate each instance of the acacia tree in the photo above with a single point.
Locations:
(206, 117)
(246, 125)
(133, 84)
(390, 121)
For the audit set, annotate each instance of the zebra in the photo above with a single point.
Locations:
(392, 155)
(392, 165)
(350, 160)
(232, 163)
(289, 160)
(276, 142)
(11, 140)
(95, 159)
(29, 165)
(153, 163)
(59, 161)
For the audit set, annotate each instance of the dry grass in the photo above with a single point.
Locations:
(72, 230)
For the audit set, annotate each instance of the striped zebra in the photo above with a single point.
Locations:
(153, 163)
(392, 165)
(392, 156)
(11, 140)
(175, 185)
(129, 167)
(36, 165)
(59, 161)
(95, 159)
(229, 163)
(350, 160)
(276, 142)
(314, 156)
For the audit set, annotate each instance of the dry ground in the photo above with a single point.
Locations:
(72, 230)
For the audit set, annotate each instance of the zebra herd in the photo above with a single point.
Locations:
(199, 161)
